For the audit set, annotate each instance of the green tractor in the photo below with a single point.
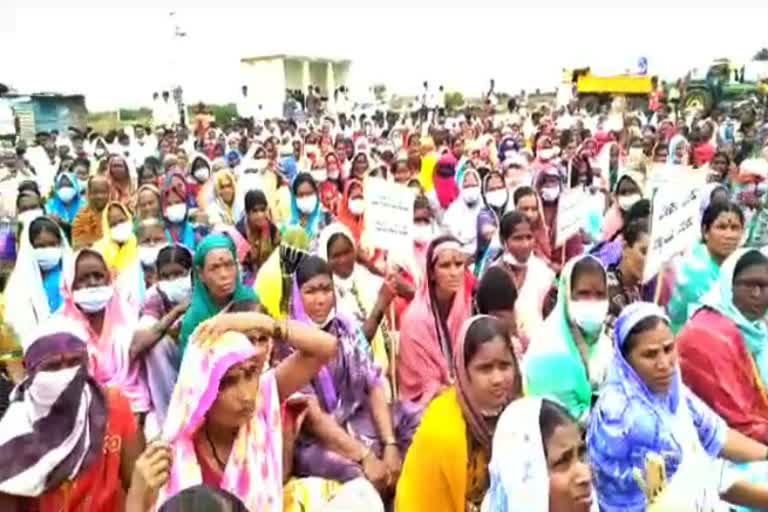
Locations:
(722, 85)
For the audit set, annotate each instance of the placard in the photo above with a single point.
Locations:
(388, 214)
(572, 212)
(675, 226)
(674, 175)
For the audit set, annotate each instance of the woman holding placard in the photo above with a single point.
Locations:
(722, 228)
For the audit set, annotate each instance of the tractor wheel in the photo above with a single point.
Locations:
(697, 99)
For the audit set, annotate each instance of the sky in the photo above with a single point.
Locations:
(117, 56)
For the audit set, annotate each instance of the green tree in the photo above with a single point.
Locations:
(761, 55)
(454, 101)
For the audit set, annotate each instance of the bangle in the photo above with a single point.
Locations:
(390, 442)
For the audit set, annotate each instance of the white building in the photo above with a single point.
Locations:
(268, 77)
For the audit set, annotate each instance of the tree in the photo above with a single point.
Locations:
(761, 55)
(454, 101)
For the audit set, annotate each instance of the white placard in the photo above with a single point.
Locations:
(572, 211)
(388, 214)
(674, 226)
(673, 175)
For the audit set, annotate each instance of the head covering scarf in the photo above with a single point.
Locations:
(695, 274)
(630, 422)
(227, 213)
(55, 425)
(484, 250)
(519, 484)
(65, 211)
(155, 191)
(202, 306)
(254, 469)
(353, 223)
(614, 217)
(119, 257)
(498, 211)
(720, 298)
(315, 217)
(182, 233)
(556, 352)
(444, 180)
(120, 191)
(86, 228)
(34, 295)
(476, 422)
(677, 141)
(431, 342)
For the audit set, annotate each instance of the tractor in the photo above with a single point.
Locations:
(722, 85)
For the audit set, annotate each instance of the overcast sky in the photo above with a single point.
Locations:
(118, 56)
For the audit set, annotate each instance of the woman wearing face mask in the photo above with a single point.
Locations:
(495, 194)
(352, 432)
(628, 191)
(147, 204)
(352, 209)
(722, 347)
(217, 282)
(95, 303)
(121, 185)
(528, 202)
(34, 287)
(154, 342)
(305, 207)
(679, 151)
(539, 461)
(87, 464)
(446, 190)
(532, 276)
(199, 179)
(29, 204)
(549, 186)
(459, 425)
(119, 245)
(66, 200)
(652, 442)
(87, 226)
(572, 345)
(722, 228)
(432, 321)
(224, 208)
(151, 238)
(175, 207)
(360, 166)
(546, 153)
(259, 231)
(461, 217)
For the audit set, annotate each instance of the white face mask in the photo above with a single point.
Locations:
(357, 206)
(66, 194)
(319, 175)
(148, 255)
(83, 184)
(471, 195)
(28, 216)
(176, 213)
(93, 300)
(306, 204)
(47, 386)
(122, 232)
(47, 257)
(201, 174)
(550, 194)
(546, 154)
(636, 152)
(423, 233)
(589, 315)
(324, 323)
(260, 164)
(177, 290)
(512, 261)
(497, 198)
(627, 202)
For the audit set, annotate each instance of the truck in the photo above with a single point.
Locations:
(593, 91)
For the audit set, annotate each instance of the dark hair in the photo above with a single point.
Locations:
(201, 498)
(82, 161)
(551, 416)
(644, 325)
(245, 306)
(634, 230)
(254, 199)
(640, 210)
(715, 209)
(421, 203)
(483, 330)
(43, 224)
(521, 192)
(174, 254)
(750, 258)
(334, 238)
(509, 222)
(495, 292)
(303, 177)
(586, 265)
(27, 186)
(310, 267)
